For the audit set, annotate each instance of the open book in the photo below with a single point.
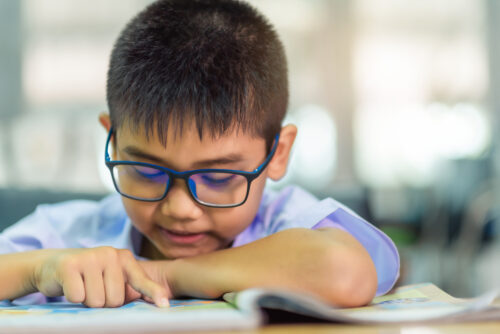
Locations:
(247, 309)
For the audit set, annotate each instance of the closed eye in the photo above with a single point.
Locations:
(210, 179)
(151, 174)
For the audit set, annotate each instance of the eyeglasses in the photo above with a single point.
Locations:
(219, 188)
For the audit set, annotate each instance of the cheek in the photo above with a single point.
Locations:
(140, 213)
(232, 222)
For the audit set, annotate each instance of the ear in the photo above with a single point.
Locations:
(278, 164)
(105, 121)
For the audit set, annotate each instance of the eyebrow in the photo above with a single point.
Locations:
(224, 160)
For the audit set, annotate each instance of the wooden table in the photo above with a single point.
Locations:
(458, 328)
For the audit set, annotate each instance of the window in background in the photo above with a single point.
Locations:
(421, 82)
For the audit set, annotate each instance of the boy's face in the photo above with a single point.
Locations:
(178, 226)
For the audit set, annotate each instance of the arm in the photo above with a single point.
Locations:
(328, 263)
(16, 272)
(97, 277)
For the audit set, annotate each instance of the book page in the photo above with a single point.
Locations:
(415, 303)
(135, 317)
(418, 303)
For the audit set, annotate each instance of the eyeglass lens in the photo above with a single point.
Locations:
(215, 188)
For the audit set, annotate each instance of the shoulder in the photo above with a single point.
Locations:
(277, 209)
(295, 207)
(66, 224)
(79, 212)
(287, 202)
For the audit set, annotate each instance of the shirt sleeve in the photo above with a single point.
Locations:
(382, 250)
(328, 223)
(31, 233)
(71, 224)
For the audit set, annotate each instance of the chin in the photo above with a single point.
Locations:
(180, 253)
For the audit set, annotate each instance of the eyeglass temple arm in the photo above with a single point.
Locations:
(106, 154)
(270, 155)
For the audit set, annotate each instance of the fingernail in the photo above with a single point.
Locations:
(164, 302)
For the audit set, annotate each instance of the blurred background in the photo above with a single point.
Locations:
(397, 104)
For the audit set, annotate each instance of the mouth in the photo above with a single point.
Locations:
(181, 237)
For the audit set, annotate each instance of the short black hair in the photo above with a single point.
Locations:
(218, 63)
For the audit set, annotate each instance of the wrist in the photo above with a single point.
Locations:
(172, 274)
(161, 271)
(37, 266)
(30, 266)
(195, 277)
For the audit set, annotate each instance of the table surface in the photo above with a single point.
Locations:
(490, 327)
(457, 328)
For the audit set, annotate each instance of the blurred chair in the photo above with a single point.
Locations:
(470, 249)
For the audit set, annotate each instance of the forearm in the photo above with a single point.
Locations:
(17, 272)
(328, 264)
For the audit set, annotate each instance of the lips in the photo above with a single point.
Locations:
(181, 237)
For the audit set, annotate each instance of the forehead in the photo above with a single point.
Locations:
(186, 135)
(186, 147)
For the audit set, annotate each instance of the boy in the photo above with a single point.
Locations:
(197, 91)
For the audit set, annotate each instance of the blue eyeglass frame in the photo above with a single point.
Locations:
(172, 174)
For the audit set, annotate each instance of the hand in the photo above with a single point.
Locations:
(97, 277)
(164, 273)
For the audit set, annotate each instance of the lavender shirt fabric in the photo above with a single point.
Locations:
(85, 224)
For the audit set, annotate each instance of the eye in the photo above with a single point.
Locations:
(216, 179)
(151, 174)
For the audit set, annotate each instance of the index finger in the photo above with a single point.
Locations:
(138, 280)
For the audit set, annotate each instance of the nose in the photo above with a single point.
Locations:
(179, 204)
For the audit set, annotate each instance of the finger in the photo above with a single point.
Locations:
(114, 286)
(131, 294)
(150, 290)
(73, 286)
(138, 279)
(149, 300)
(94, 288)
